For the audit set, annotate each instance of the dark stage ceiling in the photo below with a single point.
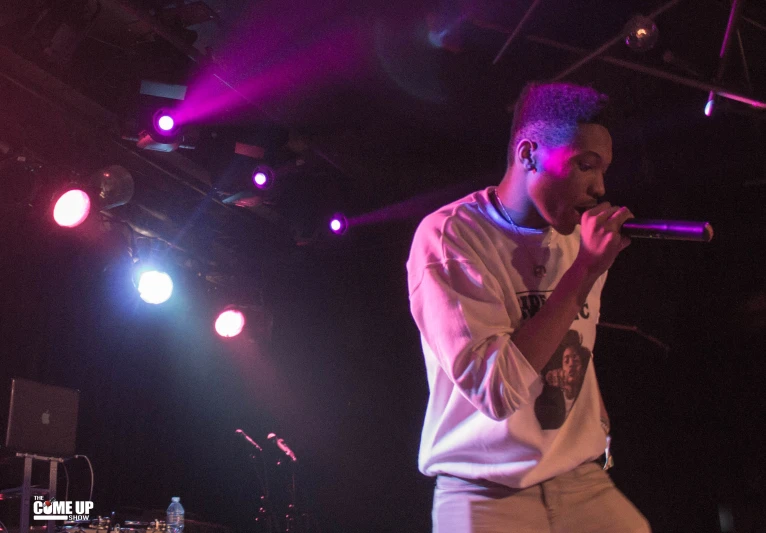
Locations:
(359, 105)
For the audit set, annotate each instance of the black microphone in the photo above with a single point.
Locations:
(677, 230)
(248, 439)
(282, 446)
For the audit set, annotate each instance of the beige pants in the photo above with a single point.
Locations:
(581, 501)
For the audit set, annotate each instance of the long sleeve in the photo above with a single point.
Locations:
(490, 414)
(461, 312)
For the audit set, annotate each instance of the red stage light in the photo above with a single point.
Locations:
(72, 208)
(230, 323)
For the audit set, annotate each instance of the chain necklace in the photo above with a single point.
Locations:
(539, 270)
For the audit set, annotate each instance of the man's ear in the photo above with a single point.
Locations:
(525, 154)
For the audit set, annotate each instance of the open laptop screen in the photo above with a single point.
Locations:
(42, 419)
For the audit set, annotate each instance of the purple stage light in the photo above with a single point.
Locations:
(338, 224)
(72, 208)
(165, 122)
(263, 177)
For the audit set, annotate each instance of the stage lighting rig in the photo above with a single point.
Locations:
(150, 271)
(641, 33)
(164, 133)
(73, 201)
(249, 321)
(338, 224)
(263, 177)
(230, 322)
(162, 127)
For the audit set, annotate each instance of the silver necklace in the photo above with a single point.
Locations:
(539, 269)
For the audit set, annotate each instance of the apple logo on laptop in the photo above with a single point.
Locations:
(46, 418)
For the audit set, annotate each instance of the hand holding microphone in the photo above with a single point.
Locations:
(601, 239)
(606, 231)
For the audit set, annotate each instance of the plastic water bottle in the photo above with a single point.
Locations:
(175, 517)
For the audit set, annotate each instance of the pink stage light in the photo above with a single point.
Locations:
(230, 323)
(72, 208)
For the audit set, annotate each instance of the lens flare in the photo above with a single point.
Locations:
(72, 208)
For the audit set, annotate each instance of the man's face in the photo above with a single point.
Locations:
(571, 364)
(570, 178)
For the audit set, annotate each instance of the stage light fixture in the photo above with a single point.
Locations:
(71, 208)
(107, 188)
(230, 322)
(155, 286)
(150, 273)
(641, 33)
(164, 134)
(338, 224)
(263, 177)
(165, 123)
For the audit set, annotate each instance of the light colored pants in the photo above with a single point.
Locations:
(581, 501)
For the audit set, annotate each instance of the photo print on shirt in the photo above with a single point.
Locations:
(564, 374)
(563, 377)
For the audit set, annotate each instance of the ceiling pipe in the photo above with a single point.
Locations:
(515, 31)
(604, 47)
(723, 56)
(657, 73)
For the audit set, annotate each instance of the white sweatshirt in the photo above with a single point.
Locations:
(490, 415)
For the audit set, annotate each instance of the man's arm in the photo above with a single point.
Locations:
(539, 336)
(600, 242)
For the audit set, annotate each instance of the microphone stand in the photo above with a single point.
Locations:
(290, 516)
(264, 517)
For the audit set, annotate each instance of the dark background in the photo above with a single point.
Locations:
(401, 129)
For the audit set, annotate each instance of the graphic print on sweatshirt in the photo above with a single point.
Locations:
(564, 374)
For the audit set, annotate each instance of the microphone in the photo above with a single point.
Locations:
(282, 446)
(248, 439)
(678, 230)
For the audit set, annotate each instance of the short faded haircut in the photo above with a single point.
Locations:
(549, 113)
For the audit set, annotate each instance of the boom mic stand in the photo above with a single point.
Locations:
(265, 519)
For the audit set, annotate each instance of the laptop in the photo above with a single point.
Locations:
(42, 419)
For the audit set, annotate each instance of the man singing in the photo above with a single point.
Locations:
(500, 282)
